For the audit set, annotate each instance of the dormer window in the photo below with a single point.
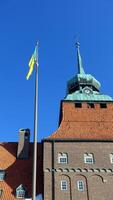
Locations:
(1, 192)
(88, 158)
(20, 192)
(2, 174)
(62, 158)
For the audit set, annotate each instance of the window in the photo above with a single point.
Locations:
(2, 175)
(78, 105)
(62, 158)
(91, 105)
(111, 158)
(63, 185)
(103, 105)
(80, 185)
(20, 192)
(88, 158)
(1, 192)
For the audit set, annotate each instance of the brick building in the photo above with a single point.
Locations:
(78, 157)
(16, 168)
(76, 161)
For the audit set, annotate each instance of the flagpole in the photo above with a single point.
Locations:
(35, 132)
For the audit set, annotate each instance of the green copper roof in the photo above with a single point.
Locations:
(83, 79)
(80, 65)
(84, 87)
(77, 96)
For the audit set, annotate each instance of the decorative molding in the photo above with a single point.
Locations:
(78, 170)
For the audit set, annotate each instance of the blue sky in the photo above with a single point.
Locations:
(56, 24)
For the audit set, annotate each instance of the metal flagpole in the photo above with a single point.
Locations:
(35, 131)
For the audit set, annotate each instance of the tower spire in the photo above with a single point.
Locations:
(80, 65)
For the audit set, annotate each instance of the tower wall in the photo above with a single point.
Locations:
(85, 122)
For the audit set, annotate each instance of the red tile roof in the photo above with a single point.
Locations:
(18, 171)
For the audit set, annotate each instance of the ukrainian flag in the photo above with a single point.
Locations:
(32, 62)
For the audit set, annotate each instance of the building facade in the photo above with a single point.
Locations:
(78, 157)
(76, 161)
(16, 160)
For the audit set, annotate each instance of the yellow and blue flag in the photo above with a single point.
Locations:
(32, 62)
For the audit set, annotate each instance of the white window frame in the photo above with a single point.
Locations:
(2, 174)
(111, 158)
(63, 185)
(62, 158)
(80, 185)
(21, 194)
(88, 158)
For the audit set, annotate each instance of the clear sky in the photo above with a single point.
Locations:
(56, 24)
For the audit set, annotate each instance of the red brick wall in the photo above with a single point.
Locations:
(85, 123)
(98, 181)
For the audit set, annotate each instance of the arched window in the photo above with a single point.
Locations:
(62, 158)
(20, 192)
(88, 158)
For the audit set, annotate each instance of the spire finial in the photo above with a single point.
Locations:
(80, 66)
